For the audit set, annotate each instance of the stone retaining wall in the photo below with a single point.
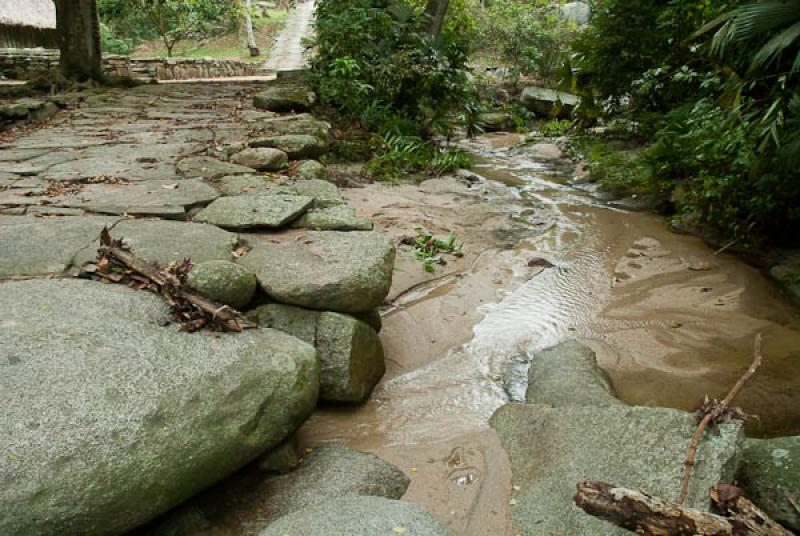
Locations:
(22, 64)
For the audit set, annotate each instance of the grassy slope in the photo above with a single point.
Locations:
(230, 46)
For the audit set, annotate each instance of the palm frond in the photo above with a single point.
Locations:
(771, 51)
(749, 22)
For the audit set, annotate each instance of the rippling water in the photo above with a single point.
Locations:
(618, 279)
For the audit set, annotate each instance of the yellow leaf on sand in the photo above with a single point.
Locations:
(399, 529)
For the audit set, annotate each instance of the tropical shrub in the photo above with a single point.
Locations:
(527, 35)
(376, 63)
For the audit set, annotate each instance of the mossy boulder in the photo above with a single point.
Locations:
(348, 272)
(496, 121)
(224, 282)
(311, 169)
(350, 352)
(770, 473)
(284, 99)
(261, 158)
(549, 102)
(296, 146)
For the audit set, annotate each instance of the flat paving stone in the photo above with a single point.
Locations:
(36, 246)
(210, 168)
(166, 199)
(254, 211)
(166, 241)
(250, 185)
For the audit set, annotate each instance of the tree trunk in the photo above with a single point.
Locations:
(248, 22)
(436, 10)
(79, 39)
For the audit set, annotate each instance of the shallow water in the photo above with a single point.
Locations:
(671, 322)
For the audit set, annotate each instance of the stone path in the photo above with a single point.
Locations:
(162, 167)
(289, 53)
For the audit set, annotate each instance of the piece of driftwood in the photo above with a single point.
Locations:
(713, 412)
(119, 264)
(731, 500)
(646, 515)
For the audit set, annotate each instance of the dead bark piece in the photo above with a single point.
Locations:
(739, 508)
(646, 515)
(118, 264)
(713, 413)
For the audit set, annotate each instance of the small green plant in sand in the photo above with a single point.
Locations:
(428, 249)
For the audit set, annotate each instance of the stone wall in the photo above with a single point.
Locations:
(22, 64)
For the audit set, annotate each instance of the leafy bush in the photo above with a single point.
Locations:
(375, 62)
(527, 34)
(127, 23)
(634, 50)
(721, 114)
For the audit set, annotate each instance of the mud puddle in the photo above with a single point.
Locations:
(547, 261)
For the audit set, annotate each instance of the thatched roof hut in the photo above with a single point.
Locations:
(27, 23)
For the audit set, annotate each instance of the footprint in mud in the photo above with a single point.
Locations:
(461, 476)
(646, 258)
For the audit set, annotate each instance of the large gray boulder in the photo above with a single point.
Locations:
(350, 352)
(359, 516)
(224, 282)
(496, 121)
(328, 270)
(568, 375)
(254, 211)
(576, 12)
(110, 418)
(770, 473)
(264, 158)
(297, 146)
(285, 99)
(549, 102)
(553, 449)
(251, 500)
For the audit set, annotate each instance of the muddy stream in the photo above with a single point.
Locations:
(545, 261)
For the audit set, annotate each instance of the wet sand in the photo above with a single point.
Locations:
(670, 320)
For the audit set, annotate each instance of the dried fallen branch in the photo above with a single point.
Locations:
(118, 264)
(713, 413)
(652, 516)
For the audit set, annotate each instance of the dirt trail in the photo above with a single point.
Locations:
(289, 53)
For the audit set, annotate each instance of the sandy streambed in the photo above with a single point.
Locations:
(544, 262)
